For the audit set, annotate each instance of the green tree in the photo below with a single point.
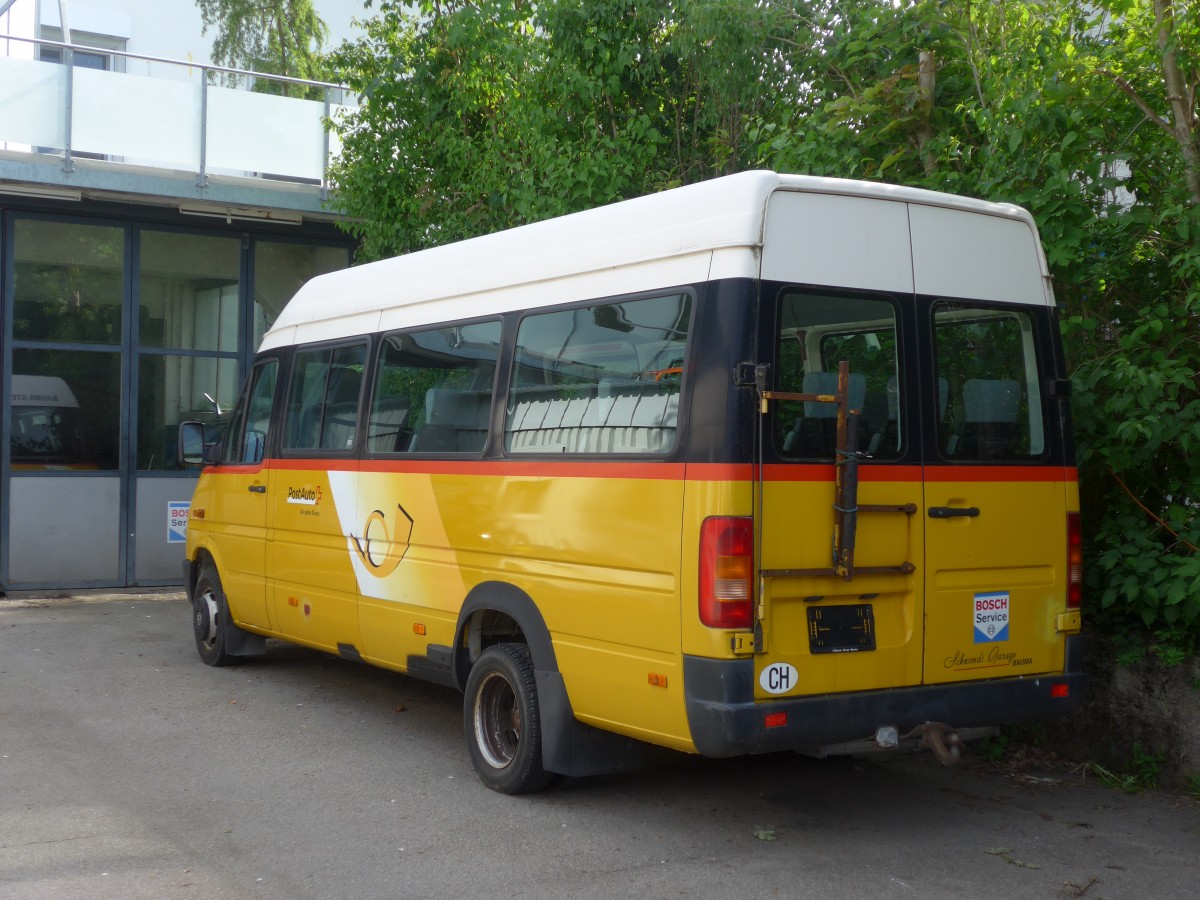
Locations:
(1085, 113)
(275, 37)
(484, 115)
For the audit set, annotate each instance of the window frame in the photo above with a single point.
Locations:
(284, 401)
(900, 316)
(382, 343)
(1036, 350)
(679, 442)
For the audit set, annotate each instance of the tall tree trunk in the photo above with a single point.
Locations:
(926, 89)
(1181, 96)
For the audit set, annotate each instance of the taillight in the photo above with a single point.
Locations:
(1074, 561)
(726, 572)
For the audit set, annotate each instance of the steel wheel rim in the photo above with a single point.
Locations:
(497, 721)
(205, 619)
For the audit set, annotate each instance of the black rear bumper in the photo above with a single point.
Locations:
(725, 720)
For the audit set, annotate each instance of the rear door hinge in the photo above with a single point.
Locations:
(744, 374)
(742, 642)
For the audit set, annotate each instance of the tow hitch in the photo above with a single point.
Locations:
(945, 742)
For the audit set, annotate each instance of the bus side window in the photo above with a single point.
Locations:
(246, 439)
(599, 379)
(323, 399)
(433, 390)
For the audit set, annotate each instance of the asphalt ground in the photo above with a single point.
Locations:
(128, 769)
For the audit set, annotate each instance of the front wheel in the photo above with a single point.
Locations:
(500, 716)
(209, 615)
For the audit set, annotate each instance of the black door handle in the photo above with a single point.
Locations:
(950, 512)
(257, 489)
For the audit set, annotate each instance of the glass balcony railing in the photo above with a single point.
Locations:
(75, 102)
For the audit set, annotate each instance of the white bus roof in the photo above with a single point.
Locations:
(686, 235)
(41, 390)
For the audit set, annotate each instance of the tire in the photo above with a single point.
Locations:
(500, 716)
(210, 618)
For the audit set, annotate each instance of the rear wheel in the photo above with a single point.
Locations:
(210, 618)
(500, 716)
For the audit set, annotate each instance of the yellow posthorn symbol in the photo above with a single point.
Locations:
(383, 562)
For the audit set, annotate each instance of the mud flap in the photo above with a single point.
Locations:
(569, 747)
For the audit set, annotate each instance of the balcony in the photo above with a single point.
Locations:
(113, 124)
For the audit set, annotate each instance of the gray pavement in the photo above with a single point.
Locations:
(130, 769)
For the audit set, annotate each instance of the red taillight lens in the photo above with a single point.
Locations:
(726, 572)
(1074, 561)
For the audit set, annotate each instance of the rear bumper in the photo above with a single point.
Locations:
(726, 721)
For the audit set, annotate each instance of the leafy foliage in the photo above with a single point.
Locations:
(276, 37)
(487, 114)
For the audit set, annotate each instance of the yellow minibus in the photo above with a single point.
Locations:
(770, 462)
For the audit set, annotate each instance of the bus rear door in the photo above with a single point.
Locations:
(818, 631)
(996, 499)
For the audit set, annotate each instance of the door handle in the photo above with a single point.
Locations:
(950, 512)
(257, 489)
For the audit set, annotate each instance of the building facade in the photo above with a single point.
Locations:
(156, 213)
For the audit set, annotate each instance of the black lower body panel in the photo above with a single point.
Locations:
(725, 720)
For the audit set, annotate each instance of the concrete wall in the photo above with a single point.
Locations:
(1147, 705)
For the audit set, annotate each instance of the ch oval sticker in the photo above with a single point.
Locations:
(778, 678)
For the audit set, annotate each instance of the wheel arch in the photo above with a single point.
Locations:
(205, 553)
(493, 612)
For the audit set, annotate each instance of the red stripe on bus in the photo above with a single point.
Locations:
(664, 471)
(1000, 473)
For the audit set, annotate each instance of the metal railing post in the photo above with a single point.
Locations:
(202, 176)
(325, 125)
(69, 60)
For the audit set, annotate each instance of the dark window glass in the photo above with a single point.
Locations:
(188, 291)
(69, 281)
(66, 410)
(816, 333)
(322, 410)
(990, 404)
(599, 379)
(172, 389)
(246, 440)
(433, 390)
(279, 271)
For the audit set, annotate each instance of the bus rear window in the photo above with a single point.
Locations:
(816, 333)
(990, 404)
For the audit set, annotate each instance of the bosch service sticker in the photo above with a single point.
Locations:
(991, 617)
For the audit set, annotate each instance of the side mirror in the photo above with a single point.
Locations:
(191, 451)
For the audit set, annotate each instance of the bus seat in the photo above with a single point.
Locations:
(814, 435)
(989, 426)
(622, 416)
(436, 434)
(386, 431)
(341, 420)
(341, 411)
(455, 422)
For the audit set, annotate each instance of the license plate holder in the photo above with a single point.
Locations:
(841, 629)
